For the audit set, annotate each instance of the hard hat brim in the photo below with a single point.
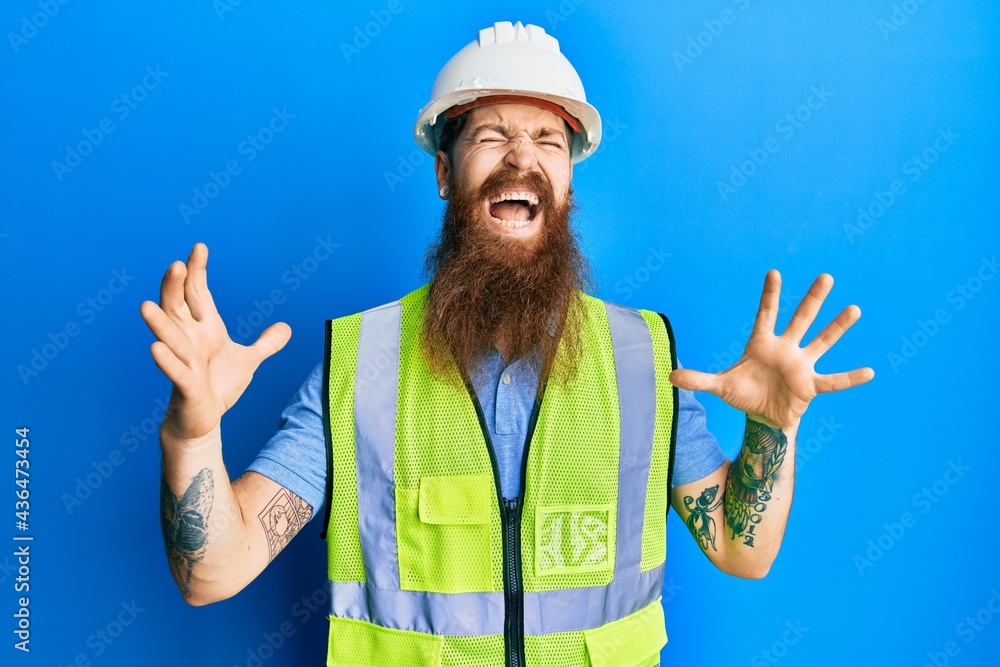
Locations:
(427, 130)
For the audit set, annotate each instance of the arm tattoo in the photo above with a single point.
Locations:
(751, 477)
(282, 519)
(185, 525)
(701, 525)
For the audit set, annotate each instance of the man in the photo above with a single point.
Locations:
(496, 449)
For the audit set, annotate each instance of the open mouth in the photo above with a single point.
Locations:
(513, 208)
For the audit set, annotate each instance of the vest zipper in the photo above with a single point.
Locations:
(510, 516)
(510, 519)
(514, 625)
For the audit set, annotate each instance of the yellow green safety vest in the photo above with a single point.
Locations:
(428, 564)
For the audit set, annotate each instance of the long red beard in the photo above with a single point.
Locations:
(518, 295)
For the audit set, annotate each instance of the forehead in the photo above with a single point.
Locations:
(514, 116)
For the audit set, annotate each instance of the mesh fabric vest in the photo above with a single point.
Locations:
(429, 565)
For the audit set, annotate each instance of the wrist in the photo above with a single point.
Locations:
(761, 419)
(171, 441)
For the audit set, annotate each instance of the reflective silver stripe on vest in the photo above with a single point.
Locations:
(572, 609)
(472, 614)
(376, 383)
(634, 368)
(457, 614)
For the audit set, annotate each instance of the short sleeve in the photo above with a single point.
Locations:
(295, 456)
(698, 452)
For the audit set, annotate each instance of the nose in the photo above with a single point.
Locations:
(521, 154)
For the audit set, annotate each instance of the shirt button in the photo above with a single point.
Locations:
(506, 378)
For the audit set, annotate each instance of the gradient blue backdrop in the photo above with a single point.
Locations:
(692, 94)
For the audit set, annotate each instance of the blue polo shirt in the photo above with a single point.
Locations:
(295, 456)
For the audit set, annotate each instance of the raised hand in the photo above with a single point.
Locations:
(194, 350)
(775, 379)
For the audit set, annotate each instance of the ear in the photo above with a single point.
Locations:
(442, 170)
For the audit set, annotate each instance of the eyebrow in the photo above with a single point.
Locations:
(544, 131)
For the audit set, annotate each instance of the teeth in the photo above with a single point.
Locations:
(513, 224)
(524, 195)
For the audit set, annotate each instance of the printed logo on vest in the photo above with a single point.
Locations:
(574, 539)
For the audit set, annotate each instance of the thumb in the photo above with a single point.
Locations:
(685, 378)
(271, 340)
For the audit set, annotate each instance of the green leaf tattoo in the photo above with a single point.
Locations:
(751, 477)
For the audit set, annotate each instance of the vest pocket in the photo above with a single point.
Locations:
(443, 534)
(633, 641)
(455, 501)
(354, 643)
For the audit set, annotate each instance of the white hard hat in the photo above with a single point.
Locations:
(511, 60)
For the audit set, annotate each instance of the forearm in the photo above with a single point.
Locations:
(203, 528)
(758, 497)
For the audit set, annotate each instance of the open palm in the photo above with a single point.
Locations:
(775, 378)
(209, 371)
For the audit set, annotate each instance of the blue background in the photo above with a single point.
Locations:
(688, 95)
